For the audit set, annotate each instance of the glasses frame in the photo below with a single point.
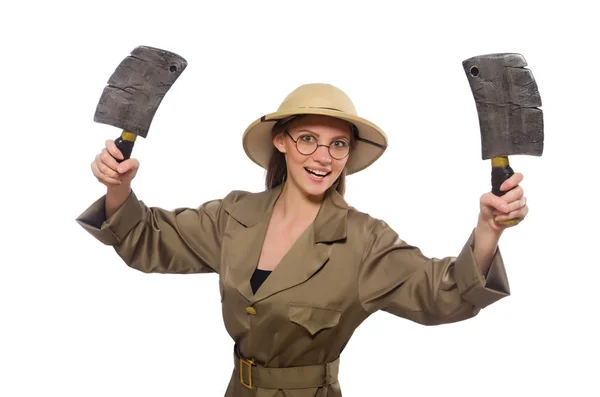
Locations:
(317, 147)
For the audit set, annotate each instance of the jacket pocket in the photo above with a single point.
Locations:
(313, 318)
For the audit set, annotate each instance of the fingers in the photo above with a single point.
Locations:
(509, 209)
(107, 163)
(512, 182)
(518, 214)
(517, 204)
(113, 150)
(515, 199)
(102, 177)
(497, 203)
(128, 165)
(108, 170)
(515, 194)
(103, 169)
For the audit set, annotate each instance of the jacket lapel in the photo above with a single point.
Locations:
(303, 260)
(243, 240)
(308, 254)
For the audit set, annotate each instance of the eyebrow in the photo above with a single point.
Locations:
(315, 133)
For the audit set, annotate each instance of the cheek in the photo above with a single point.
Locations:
(293, 157)
(339, 165)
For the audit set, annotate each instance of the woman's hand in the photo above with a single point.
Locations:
(115, 176)
(512, 206)
(494, 210)
(109, 172)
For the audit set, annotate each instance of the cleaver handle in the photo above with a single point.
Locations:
(125, 144)
(501, 171)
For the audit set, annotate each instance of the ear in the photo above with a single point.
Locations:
(278, 142)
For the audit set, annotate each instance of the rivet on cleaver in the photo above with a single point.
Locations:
(135, 90)
(510, 121)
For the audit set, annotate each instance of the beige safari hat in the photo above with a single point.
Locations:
(321, 99)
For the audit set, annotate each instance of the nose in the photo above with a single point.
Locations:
(322, 155)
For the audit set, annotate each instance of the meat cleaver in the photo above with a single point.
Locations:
(134, 92)
(510, 121)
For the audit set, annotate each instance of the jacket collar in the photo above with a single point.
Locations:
(329, 224)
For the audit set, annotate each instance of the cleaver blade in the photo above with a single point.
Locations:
(135, 90)
(508, 107)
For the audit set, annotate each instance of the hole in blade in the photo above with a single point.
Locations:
(474, 71)
(173, 68)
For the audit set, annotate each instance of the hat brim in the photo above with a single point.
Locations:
(370, 145)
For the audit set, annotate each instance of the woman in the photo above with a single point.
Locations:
(300, 270)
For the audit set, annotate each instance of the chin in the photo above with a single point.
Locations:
(315, 191)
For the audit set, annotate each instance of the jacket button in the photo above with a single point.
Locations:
(251, 310)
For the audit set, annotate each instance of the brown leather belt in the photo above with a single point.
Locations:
(253, 375)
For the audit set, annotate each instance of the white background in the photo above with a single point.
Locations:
(75, 321)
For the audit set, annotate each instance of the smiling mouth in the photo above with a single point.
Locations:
(319, 174)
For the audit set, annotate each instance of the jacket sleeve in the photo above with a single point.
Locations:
(397, 278)
(153, 240)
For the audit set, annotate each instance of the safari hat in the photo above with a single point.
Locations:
(320, 99)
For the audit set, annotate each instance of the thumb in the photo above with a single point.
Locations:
(128, 165)
(493, 201)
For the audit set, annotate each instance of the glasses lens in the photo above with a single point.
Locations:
(306, 144)
(340, 151)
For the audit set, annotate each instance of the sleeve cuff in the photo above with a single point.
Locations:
(112, 230)
(473, 286)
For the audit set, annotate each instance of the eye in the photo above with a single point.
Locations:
(307, 138)
(340, 144)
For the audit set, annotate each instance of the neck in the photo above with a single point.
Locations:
(293, 205)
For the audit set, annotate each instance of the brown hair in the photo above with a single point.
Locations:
(277, 168)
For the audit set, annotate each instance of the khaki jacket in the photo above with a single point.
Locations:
(347, 265)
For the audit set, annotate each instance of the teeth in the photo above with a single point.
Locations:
(321, 173)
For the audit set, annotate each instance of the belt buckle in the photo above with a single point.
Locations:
(249, 364)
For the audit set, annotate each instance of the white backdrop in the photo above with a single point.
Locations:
(75, 321)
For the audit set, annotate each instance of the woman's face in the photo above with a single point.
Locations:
(314, 173)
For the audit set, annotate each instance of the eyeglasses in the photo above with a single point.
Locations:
(307, 144)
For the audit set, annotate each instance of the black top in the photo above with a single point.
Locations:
(258, 278)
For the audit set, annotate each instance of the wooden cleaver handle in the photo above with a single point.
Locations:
(501, 171)
(125, 144)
